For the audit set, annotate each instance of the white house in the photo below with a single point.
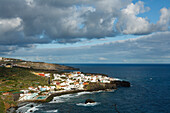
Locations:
(47, 74)
(106, 81)
(56, 76)
(63, 84)
(82, 75)
(28, 96)
(0, 58)
(24, 91)
(93, 79)
(63, 75)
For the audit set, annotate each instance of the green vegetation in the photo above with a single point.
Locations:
(15, 79)
(2, 107)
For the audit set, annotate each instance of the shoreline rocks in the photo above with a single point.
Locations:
(89, 101)
(121, 83)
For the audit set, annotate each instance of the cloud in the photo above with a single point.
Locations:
(102, 58)
(130, 23)
(7, 50)
(145, 49)
(164, 21)
(29, 22)
(7, 25)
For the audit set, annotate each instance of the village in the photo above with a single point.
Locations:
(65, 82)
(26, 81)
(55, 83)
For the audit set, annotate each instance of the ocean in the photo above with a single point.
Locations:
(149, 92)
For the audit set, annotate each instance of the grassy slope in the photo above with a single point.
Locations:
(2, 107)
(15, 79)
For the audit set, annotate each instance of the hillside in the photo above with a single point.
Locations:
(12, 80)
(34, 65)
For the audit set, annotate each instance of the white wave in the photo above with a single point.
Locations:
(66, 97)
(83, 93)
(26, 107)
(88, 104)
(33, 109)
(62, 98)
(98, 91)
(57, 101)
(52, 111)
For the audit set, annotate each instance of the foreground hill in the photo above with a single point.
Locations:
(12, 80)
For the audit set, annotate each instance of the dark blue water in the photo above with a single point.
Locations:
(150, 91)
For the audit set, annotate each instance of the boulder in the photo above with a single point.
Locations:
(125, 84)
(89, 101)
(32, 106)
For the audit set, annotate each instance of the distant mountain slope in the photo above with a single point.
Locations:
(34, 65)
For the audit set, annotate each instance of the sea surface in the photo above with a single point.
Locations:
(149, 92)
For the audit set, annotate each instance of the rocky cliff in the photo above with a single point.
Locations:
(99, 86)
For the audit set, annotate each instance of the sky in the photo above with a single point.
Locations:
(86, 31)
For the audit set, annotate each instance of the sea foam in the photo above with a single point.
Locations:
(88, 104)
(66, 97)
(26, 108)
(83, 93)
(62, 98)
(52, 111)
(33, 109)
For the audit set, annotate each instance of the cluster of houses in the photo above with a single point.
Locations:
(77, 80)
(10, 62)
(7, 65)
(42, 74)
(9, 59)
(11, 65)
(63, 82)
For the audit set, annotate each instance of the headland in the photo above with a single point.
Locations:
(22, 84)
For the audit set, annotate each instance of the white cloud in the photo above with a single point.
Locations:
(102, 58)
(135, 9)
(10, 24)
(164, 21)
(69, 21)
(30, 3)
(130, 23)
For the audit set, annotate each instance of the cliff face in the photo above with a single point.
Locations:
(100, 86)
(104, 86)
(121, 83)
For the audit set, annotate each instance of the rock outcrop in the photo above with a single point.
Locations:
(121, 83)
(99, 86)
(89, 101)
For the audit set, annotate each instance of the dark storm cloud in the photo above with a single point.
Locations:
(25, 22)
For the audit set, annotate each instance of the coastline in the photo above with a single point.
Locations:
(51, 96)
